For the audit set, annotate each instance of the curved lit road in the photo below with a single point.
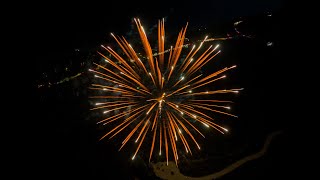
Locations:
(172, 172)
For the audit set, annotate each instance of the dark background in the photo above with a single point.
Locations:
(60, 139)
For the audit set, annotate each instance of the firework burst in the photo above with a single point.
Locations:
(158, 93)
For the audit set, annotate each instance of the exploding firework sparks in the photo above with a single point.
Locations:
(158, 95)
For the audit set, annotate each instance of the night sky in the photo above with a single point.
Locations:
(63, 139)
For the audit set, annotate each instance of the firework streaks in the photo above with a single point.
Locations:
(158, 96)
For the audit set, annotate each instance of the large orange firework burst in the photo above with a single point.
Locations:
(158, 94)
